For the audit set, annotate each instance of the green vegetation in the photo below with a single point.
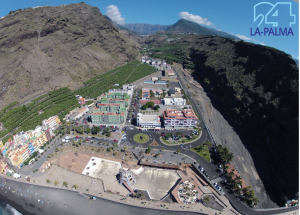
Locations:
(148, 150)
(89, 102)
(141, 138)
(203, 151)
(65, 184)
(170, 53)
(223, 154)
(31, 157)
(61, 101)
(150, 105)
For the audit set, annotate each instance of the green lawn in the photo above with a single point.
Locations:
(202, 151)
(181, 140)
(137, 138)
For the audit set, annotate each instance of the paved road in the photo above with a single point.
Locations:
(209, 167)
(34, 199)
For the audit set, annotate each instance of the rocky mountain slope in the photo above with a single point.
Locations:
(258, 87)
(185, 26)
(145, 29)
(50, 47)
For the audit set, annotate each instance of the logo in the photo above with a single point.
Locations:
(279, 14)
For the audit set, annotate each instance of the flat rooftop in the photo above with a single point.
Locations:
(149, 118)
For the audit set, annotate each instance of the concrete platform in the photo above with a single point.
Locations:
(157, 182)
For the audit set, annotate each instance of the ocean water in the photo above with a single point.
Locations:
(6, 209)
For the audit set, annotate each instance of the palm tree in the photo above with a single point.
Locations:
(231, 173)
(48, 181)
(75, 186)
(65, 184)
(229, 157)
(56, 183)
(206, 199)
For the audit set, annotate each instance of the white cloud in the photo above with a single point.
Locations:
(112, 11)
(195, 18)
(243, 37)
(262, 44)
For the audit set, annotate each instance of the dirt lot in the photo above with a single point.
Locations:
(225, 134)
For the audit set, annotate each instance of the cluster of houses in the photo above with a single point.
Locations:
(80, 99)
(21, 147)
(156, 63)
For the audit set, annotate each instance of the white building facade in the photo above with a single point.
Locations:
(148, 121)
(174, 101)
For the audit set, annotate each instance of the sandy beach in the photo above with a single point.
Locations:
(33, 199)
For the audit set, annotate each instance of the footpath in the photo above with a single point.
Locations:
(99, 191)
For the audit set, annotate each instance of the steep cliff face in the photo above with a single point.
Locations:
(49, 47)
(258, 86)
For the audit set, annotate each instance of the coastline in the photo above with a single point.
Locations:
(38, 200)
(15, 205)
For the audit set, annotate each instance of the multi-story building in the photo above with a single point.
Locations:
(148, 121)
(3, 166)
(20, 138)
(18, 155)
(174, 101)
(78, 113)
(126, 88)
(38, 136)
(180, 119)
(111, 109)
(52, 122)
(108, 118)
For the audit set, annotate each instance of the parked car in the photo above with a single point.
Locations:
(163, 135)
(115, 140)
(77, 137)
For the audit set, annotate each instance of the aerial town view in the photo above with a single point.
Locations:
(105, 115)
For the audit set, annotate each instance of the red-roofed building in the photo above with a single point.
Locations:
(178, 119)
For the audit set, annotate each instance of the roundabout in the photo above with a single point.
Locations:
(141, 138)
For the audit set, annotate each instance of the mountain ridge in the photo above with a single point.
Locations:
(50, 47)
(145, 29)
(185, 26)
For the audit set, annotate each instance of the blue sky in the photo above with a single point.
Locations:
(233, 16)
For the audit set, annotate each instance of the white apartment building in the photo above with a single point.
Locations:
(127, 88)
(148, 121)
(174, 101)
(51, 122)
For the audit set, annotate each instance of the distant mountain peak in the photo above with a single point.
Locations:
(185, 26)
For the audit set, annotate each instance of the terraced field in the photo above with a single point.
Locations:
(61, 101)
